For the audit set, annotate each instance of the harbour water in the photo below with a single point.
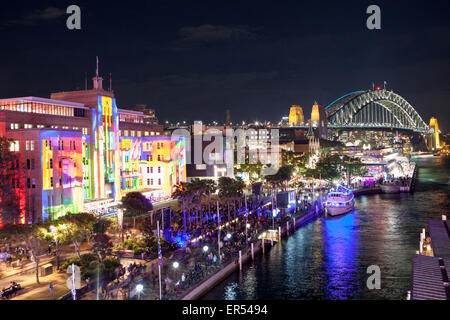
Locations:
(329, 257)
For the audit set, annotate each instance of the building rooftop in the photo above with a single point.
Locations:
(46, 101)
(428, 278)
(440, 237)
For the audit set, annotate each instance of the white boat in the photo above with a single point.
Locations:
(340, 202)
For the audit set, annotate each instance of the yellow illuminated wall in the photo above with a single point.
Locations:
(435, 127)
(296, 117)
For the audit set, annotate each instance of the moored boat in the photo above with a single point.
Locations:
(340, 202)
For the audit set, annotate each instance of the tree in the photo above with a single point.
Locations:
(184, 193)
(225, 186)
(31, 235)
(198, 188)
(79, 227)
(57, 233)
(11, 174)
(211, 188)
(352, 166)
(136, 204)
(146, 229)
(281, 178)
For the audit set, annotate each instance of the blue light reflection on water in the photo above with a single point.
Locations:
(341, 241)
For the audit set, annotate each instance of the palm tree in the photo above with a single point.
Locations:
(198, 188)
(211, 188)
(225, 192)
(183, 192)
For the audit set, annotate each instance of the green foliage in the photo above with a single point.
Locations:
(91, 266)
(136, 204)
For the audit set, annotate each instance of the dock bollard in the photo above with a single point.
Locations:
(444, 217)
(253, 252)
(287, 227)
(240, 260)
(262, 245)
(271, 239)
(279, 233)
(294, 224)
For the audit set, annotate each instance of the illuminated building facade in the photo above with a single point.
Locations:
(152, 165)
(434, 141)
(78, 151)
(319, 121)
(296, 117)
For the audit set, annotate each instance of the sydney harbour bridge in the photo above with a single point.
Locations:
(374, 109)
(361, 114)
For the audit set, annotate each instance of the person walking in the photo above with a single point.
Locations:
(52, 297)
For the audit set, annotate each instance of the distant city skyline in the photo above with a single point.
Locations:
(194, 61)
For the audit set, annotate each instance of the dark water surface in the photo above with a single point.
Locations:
(328, 258)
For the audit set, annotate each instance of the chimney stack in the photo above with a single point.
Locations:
(98, 83)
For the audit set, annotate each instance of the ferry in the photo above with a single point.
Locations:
(340, 202)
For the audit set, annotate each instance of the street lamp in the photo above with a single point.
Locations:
(229, 236)
(139, 289)
(205, 249)
(176, 265)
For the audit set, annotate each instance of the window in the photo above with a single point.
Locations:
(28, 183)
(14, 146)
(27, 145)
(32, 145)
(159, 169)
(32, 164)
(51, 163)
(151, 181)
(148, 181)
(148, 169)
(51, 182)
(33, 183)
(28, 164)
(159, 181)
(159, 157)
(151, 169)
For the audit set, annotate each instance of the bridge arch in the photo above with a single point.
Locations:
(374, 108)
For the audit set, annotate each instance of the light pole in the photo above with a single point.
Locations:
(139, 289)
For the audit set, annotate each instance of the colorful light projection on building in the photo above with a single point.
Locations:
(152, 165)
(62, 173)
(105, 140)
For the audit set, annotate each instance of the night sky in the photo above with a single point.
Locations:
(192, 60)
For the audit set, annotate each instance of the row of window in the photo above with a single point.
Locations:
(50, 164)
(150, 182)
(133, 133)
(160, 158)
(43, 109)
(17, 126)
(150, 169)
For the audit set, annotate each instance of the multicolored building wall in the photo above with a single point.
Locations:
(79, 160)
(152, 165)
